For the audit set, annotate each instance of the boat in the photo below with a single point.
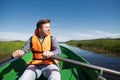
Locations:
(12, 70)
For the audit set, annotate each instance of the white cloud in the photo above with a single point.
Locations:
(94, 34)
(101, 34)
(61, 35)
(14, 36)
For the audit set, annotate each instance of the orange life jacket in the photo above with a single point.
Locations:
(38, 48)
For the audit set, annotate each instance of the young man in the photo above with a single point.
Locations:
(43, 46)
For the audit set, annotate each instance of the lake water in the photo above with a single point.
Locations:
(98, 60)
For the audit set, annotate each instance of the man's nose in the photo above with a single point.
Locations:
(49, 29)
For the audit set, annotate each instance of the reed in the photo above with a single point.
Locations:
(107, 46)
(7, 47)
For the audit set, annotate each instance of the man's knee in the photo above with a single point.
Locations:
(55, 75)
(28, 75)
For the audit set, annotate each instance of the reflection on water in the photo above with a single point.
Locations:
(98, 60)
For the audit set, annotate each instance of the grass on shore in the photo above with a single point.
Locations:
(7, 47)
(106, 46)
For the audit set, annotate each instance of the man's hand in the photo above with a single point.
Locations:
(47, 54)
(18, 53)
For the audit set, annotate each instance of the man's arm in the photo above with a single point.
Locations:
(55, 47)
(25, 49)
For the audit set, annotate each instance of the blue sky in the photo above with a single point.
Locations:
(70, 19)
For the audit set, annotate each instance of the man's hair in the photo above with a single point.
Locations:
(41, 22)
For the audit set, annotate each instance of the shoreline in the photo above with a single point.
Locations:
(98, 51)
(109, 47)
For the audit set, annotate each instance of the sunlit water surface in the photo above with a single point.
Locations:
(98, 60)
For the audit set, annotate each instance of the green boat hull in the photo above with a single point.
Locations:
(13, 70)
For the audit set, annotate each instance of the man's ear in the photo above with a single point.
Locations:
(39, 29)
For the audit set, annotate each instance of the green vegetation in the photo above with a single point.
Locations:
(6, 48)
(107, 46)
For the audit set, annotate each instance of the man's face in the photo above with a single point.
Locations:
(45, 29)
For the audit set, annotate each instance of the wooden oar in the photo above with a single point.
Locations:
(78, 63)
(9, 60)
